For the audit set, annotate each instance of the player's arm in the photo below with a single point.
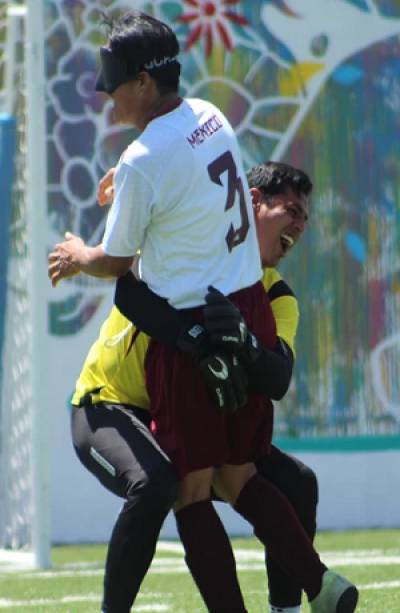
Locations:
(156, 317)
(269, 371)
(126, 226)
(105, 188)
(285, 310)
(73, 256)
(148, 311)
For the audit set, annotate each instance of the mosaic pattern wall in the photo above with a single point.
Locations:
(312, 82)
(3, 12)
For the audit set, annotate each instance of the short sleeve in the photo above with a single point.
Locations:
(286, 313)
(130, 212)
(284, 306)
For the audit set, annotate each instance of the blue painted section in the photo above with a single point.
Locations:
(7, 154)
(339, 444)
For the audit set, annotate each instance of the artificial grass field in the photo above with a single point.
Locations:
(370, 558)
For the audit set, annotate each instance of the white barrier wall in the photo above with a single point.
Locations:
(357, 490)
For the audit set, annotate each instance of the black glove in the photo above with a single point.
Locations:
(269, 370)
(224, 322)
(155, 316)
(227, 329)
(225, 378)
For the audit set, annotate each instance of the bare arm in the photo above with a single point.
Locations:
(105, 188)
(73, 256)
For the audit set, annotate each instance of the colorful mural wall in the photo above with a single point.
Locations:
(312, 82)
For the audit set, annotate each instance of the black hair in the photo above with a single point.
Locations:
(145, 43)
(273, 178)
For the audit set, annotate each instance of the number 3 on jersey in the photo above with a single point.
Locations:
(226, 163)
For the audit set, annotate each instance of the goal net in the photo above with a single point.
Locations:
(22, 537)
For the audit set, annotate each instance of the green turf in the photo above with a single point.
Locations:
(74, 585)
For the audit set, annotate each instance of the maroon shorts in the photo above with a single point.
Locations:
(187, 423)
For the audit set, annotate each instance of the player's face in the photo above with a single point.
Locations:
(128, 103)
(280, 221)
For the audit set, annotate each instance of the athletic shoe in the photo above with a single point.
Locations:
(337, 595)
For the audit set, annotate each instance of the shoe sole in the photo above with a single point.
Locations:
(348, 601)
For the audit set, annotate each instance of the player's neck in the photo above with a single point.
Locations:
(164, 105)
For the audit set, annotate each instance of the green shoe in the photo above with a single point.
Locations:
(337, 595)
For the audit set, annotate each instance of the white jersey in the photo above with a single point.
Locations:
(182, 198)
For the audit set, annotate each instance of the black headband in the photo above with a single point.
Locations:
(114, 71)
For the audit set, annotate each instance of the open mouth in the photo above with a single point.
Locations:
(286, 242)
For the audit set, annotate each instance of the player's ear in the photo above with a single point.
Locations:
(256, 198)
(144, 80)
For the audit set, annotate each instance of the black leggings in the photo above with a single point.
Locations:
(115, 444)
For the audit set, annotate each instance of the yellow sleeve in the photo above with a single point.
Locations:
(114, 368)
(284, 306)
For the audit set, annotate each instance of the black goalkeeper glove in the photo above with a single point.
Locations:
(227, 329)
(157, 318)
(269, 370)
(225, 378)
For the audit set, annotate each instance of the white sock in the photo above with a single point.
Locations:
(284, 609)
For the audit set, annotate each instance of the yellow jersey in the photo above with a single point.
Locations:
(113, 371)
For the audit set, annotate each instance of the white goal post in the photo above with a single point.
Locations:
(24, 450)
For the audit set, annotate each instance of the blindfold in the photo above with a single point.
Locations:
(113, 72)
